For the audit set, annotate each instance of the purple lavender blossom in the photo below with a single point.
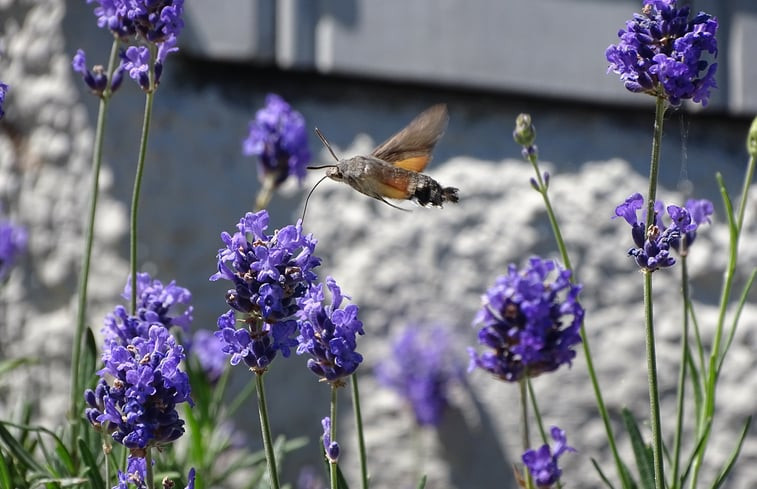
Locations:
(328, 333)
(12, 244)
(157, 22)
(421, 368)
(278, 137)
(528, 322)
(96, 79)
(155, 301)
(269, 273)
(141, 382)
(330, 447)
(154, 21)
(661, 52)
(542, 463)
(309, 478)
(653, 243)
(135, 474)
(208, 349)
(136, 60)
(3, 91)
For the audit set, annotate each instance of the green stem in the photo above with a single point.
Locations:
(683, 368)
(526, 437)
(333, 474)
(542, 189)
(713, 370)
(622, 473)
(654, 164)
(265, 430)
(752, 149)
(76, 399)
(654, 395)
(537, 412)
(149, 96)
(266, 192)
(149, 475)
(359, 428)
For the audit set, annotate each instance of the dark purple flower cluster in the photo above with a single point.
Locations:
(653, 243)
(96, 79)
(421, 368)
(141, 383)
(542, 463)
(529, 324)
(155, 301)
(661, 52)
(3, 91)
(330, 447)
(328, 333)
(136, 473)
(278, 137)
(12, 244)
(208, 350)
(269, 273)
(156, 22)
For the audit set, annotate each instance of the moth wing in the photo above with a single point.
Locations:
(393, 186)
(411, 147)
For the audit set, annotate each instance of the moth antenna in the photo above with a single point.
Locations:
(326, 143)
(305, 209)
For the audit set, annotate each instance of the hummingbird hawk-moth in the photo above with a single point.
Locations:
(393, 169)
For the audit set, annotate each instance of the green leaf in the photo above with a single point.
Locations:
(698, 448)
(734, 455)
(5, 473)
(89, 361)
(642, 452)
(737, 315)
(421, 483)
(63, 481)
(602, 474)
(341, 482)
(93, 468)
(18, 451)
(64, 456)
(11, 364)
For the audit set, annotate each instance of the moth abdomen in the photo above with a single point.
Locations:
(428, 192)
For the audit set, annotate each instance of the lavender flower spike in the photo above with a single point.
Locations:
(530, 322)
(421, 368)
(328, 333)
(269, 274)
(542, 463)
(330, 446)
(663, 53)
(278, 137)
(653, 243)
(12, 244)
(3, 91)
(141, 383)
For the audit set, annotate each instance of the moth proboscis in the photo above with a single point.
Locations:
(393, 169)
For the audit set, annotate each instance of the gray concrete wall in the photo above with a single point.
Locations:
(552, 48)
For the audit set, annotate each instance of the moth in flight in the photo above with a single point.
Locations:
(393, 169)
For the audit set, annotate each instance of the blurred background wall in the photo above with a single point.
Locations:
(360, 70)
